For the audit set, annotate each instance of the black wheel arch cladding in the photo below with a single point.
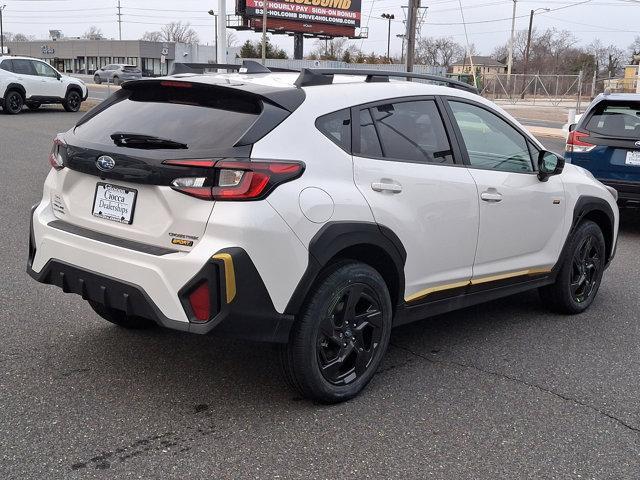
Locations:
(365, 241)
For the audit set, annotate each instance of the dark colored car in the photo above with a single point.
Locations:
(606, 141)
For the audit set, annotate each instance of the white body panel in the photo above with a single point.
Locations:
(435, 215)
(524, 230)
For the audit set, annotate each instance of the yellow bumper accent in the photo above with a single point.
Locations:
(229, 275)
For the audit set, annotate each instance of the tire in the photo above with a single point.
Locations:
(580, 274)
(116, 80)
(72, 101)
(13, 102)
(33, 106)
(118, 317)
(97, 80)
(330, 358)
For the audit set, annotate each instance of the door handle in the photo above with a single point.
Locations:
(491, 196)
(386, 187)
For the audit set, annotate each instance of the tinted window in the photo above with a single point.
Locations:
(490, 141)
(203, 118)
(413, 131)
(44, 70)
(6, 65)
(616, 119)
(369, 142)
(23, 67)
(337, 126)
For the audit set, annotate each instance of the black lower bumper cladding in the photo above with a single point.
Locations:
(250, 315)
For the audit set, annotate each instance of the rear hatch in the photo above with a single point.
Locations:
(131, 68)
(608, 141)
(123, 158)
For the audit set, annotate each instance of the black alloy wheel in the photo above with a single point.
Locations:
(349, 335)
(13, 102)
(96, 79)
(585, 269)
(72, 102)
(579, 272)
(341, 333)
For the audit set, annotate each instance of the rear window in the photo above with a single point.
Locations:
(130, 68)
(202, 118)
(6, 65)
(615, 119)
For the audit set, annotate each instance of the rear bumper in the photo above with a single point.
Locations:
(248, 313)
(626, 190)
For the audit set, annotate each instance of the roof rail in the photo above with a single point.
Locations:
(248, 66)
(324, 76)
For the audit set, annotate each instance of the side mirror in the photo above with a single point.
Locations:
(58, 76)
(549, 164)
(572, 127)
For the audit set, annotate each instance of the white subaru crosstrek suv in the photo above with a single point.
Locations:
(316, 210)
(32, 82)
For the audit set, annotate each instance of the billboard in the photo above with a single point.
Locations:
(345, 13)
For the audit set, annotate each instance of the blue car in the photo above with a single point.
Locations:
(606, 141)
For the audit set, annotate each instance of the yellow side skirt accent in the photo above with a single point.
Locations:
(229, 275)
(476, 281)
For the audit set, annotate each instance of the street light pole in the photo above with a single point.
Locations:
(264, 32)
(388, 17)
(215, 31)
(2, 7)
(512, 40)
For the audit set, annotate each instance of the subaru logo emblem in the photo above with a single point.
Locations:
(105, 163)
(638, 144)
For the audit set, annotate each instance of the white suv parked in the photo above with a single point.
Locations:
(31, 82)
(317, 211)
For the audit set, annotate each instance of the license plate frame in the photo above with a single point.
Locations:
(633, 158)
(130, 197)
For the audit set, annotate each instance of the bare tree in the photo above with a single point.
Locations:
(152, 37)
(634, 51)
(20, 37)
(93, 33)
(7, 36)
(232, 39)
(441, 51)
(179, 32)
(333, 49)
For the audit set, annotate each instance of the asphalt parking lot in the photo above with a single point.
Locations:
(504, 390)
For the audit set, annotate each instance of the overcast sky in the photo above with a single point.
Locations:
(489, 21)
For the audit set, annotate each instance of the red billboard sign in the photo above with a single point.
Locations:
(345, 13)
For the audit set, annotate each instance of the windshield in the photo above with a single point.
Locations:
(616, 119)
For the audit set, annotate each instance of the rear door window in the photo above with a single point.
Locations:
(615, 119)
(413, 131)
(23, 67)
(202, 118)
(369, 141)
(337, 127)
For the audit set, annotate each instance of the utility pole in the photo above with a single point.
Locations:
(264, 32)
(221, 38)
(527, 51)
(119, 21)
(512, 40)
(403, 37)
(412, 24)
(388, 17)
(2, 7)
(215, 31)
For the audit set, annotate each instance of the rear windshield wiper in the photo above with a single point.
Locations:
(147, 142)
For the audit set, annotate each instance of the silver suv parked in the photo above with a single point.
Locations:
(117, 73)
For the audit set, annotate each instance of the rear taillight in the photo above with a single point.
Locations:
(576, 144)
(58, 153)
(237, 180)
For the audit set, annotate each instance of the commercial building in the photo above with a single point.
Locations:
(86, 56)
